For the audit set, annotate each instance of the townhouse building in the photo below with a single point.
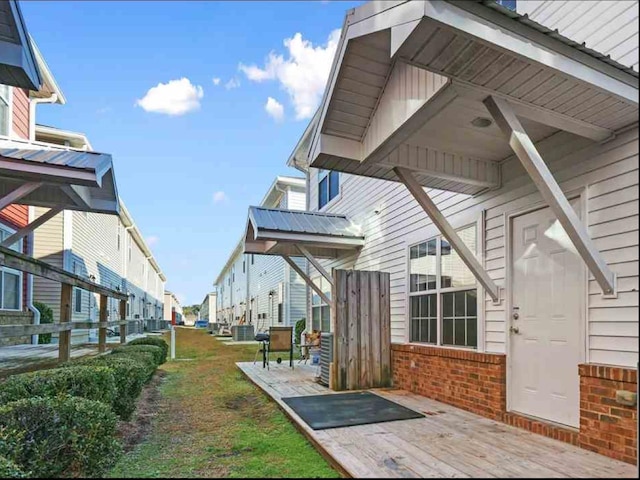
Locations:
(264, 290)
(485, 156)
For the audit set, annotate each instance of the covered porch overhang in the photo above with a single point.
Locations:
(294, 233)
(58, 179)
(439, 94)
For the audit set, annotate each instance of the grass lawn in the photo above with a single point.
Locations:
(213, 423)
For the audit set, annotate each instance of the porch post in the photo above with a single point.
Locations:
(123, 324)
(102, 330)
(64, 339)
(307, 280)
(533, 163)
(307, 254)
(448, 231)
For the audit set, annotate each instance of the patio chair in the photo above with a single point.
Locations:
(280, 340)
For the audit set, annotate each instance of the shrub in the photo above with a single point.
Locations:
(155, 341)
(144, 359)
(51, 437)
(9, 469)
(46, 316)
(130, 375)
(157, 352)
(300, 326)
(91, 382)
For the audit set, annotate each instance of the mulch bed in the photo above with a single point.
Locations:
(134, 431)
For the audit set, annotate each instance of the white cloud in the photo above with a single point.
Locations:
(152, 240)
(216, 81)
(303, 74)
(220, 197)
(275, 109)
(176, 97)
(231, 84)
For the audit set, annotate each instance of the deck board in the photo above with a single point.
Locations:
(447, 442)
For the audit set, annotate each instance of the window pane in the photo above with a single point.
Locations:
(315, 323)
(447, 305)
(459, 323)
(11, 291)
(415, 330)
(459, 304)
(447, 331)
(433, 306)
(323, 192)
(422, 259)
(433, 330)
(454, 272)
(326, 319)
(415, 307)
(326, 287)
(459, 328)
(472, 332)
(334, 185)
(424, 330)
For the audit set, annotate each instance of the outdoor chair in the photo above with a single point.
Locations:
(280, 340)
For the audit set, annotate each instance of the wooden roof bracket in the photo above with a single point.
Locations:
(439, 220)
(530, 158)
(307, 280)
(26, 230)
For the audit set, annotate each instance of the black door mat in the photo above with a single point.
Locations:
(347, 409)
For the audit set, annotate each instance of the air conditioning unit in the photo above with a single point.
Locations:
(326, 357)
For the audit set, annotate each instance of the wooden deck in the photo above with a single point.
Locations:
(17, 358)
(448, 442)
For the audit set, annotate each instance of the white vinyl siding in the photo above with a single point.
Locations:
(608, 27)
(48, 246)
(608, 172)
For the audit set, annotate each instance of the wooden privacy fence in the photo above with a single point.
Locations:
(24, 263)
(361, 319)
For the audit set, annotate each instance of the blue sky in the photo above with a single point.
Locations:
(191, 155)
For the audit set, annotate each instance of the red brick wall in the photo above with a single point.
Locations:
(607, 427)
(477, 382)
(469, 380)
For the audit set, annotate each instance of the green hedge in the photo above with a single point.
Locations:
(90, 382)
(130, 375)
(144, 359)
(155, 341)
(157, 352)
(9, 469)
(46, 316)
(52, 437)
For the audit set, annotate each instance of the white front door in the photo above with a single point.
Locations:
(546, 334)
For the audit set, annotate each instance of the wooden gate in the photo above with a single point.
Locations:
(361, 318)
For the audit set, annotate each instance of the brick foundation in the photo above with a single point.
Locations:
(466, 379)
(476, 382)
(606, 426)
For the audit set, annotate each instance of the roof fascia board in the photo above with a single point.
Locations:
(47, 173)
(334, 240)
(47, 76)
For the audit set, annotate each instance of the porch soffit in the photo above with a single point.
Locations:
(472, 67)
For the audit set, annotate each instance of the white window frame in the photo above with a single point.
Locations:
(321, 282)
(9, 112)
(18, 247)
(77, 294)
(438, 291)
(322, 174)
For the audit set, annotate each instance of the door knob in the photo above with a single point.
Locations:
(514, 330)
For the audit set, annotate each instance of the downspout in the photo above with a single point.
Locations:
(30, 305)
(32, 112)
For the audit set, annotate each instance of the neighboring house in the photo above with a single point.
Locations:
(17, 129)
(171, 305)
(533, 318)
(208, 307)
(108, 249)
(263, 289)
